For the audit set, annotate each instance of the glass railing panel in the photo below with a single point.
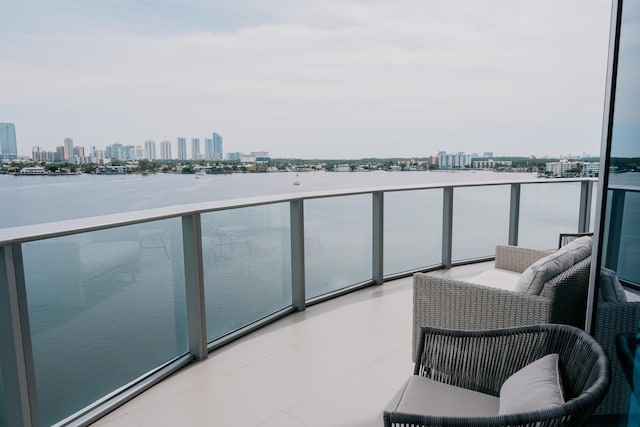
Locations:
(247, 266)
(412, 230)
(337, 243)
(480, 220)
(546, 210)
(105, 307)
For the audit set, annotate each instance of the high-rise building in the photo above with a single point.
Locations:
(208, 149)
(150, 149)
(115, 151)
(217, 146)
(182, 148)
(37, 153)
(195, 148)
(77, 156)
(8, 144)
(68, 148)
(165, 150)
(59, 157)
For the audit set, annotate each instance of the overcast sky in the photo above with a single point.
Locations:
(308, 78)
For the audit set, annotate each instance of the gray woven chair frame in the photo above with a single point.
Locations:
(440, 302)
(613, 319)
(483, 360)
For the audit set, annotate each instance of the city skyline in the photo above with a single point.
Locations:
(213, 150)
(332, 79)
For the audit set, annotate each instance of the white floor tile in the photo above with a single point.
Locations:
(282, 420)
(116, 419)
(336, 363)
(354, 402)
(348, 347)
(392, 370)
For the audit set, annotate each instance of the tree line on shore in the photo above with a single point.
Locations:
(520, 164)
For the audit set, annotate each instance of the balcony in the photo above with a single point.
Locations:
(297, 371)
(101, 310)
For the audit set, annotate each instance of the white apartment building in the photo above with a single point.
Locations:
(165, 150)
(150, 149)
(560, 168)
(454, 161)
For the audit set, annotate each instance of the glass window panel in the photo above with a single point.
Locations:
(247, 266)
(337, 243)
(3, 412)
(104, 307)
(412, 230)
(629, 251)
(616, 322)
(546, 210)
(480, 220)
(594, 204)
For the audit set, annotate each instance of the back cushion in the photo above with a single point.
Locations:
(580, 248)
(533, 278)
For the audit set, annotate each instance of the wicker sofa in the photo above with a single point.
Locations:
(495, 301)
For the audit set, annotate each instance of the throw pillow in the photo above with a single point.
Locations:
(611, 289)
(536, 386)
(534, 277)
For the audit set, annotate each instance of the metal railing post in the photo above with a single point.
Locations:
(514, 214)
(16, 356)
(194, 283)
(447, 226)
(297, 254)
(584, 218)
(378, 238)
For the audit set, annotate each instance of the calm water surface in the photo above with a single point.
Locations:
(34, 199)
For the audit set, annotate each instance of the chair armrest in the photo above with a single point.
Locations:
(515, 258)
(568, 294)
(450, 304)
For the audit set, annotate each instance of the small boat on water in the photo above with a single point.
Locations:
(296, 182)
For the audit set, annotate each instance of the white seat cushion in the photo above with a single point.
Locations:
(423, 396)
(497, 278)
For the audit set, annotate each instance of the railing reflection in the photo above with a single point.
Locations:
(97, 304)
(621, 250)
(247, 266)
(105, 307)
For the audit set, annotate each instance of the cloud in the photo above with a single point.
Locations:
(324, 79)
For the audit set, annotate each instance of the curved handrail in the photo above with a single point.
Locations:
(32, 232)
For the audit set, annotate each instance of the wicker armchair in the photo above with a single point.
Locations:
(482, 360)
(440, 302)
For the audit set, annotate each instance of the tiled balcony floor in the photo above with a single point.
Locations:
(336, 364)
